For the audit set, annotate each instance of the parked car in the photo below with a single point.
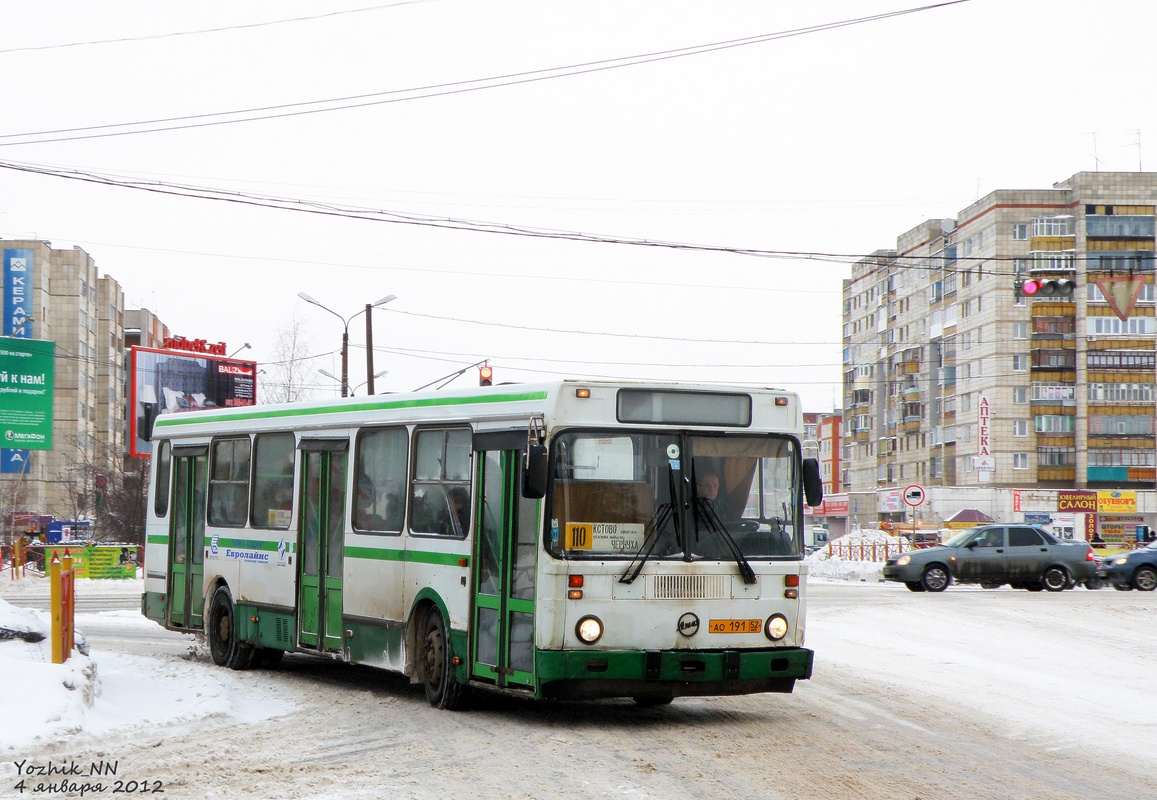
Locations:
(1023, 556)
(1136, 569)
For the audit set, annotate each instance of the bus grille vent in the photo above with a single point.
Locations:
(282, 632)
(689, 587)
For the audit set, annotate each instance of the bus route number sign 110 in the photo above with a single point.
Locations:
(607, 537)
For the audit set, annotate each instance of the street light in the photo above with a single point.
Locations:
(354, 390)
(245, 346)
(345, 334)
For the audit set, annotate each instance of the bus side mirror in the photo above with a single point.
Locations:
(813, 484)
(534, 472)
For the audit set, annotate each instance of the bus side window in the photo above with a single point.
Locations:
(380, 466)
(161, 490)
(440, 492)
(273, 463)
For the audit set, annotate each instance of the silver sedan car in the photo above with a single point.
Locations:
(1023, 556)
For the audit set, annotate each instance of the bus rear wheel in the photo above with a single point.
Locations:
(650, 701)
(436, 664)
(222, 634)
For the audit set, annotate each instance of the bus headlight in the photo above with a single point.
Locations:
(776, 627)
(589, 630)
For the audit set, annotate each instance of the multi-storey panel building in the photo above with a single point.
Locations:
(82, 312)
(955, 377)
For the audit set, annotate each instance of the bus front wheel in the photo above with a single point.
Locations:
(222, 633)
(442, 690)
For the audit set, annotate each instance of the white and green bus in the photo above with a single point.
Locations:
(563, 540)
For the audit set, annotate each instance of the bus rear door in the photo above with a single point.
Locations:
(187, 538)
(321, 539)
(507, 546)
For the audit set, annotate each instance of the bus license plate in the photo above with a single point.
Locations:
(734, 626)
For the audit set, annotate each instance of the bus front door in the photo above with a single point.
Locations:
(320, 543)
(507, 546)
(187, 540)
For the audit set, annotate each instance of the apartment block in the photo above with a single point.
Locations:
(957, 376)
(68, 302)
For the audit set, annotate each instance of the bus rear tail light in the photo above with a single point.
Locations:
(574, 585)
(791, 580)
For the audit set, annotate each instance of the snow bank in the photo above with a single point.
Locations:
(42, 700)
(822, 565)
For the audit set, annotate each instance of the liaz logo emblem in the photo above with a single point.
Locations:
(688, 624)
(213, 545)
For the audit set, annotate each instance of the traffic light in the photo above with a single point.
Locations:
(485, 376)
(1049, 287)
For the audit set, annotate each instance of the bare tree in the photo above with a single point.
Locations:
(107, 488)
(288, 377)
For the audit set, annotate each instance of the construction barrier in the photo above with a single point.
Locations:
(877, 552)
(63, 607)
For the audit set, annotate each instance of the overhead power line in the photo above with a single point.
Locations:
(425, 92)
(476, 226)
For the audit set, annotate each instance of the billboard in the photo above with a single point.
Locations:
(172, 382)
(18, 283)
(26, 384)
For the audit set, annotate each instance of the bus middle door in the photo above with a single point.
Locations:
(187, 538)
(507, 546)
(321, 540)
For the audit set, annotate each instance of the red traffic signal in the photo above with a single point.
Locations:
(1052, 287)
(485, 376)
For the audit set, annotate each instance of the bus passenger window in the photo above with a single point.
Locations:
(229, 483)
(273, 455)
(440, 492)
(380, 464)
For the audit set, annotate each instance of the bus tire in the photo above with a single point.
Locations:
(651, 701)
(437, 669)
(222, 633)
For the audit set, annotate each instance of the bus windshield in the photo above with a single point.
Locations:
(674, 496)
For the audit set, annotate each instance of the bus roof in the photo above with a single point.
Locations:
(516, 400)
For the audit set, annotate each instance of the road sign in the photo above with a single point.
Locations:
(914, 495)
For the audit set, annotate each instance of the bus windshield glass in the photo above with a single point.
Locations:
(674, 496)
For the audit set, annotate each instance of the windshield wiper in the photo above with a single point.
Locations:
(663, 515)
(705, 513)
(655, 528)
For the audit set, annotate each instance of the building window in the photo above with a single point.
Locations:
(1052, 226)
(1020, 460)
(1020, 231)
(1020, 330)
(1055, 423)
(1020, 427)
(1020, 363)
(1112, 326)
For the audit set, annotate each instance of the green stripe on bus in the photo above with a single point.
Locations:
(170, 420)
(162, 538)
(412, 556)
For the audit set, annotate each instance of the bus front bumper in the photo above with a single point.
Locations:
(572, 674)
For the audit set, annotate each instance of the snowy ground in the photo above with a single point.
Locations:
(1066, 674)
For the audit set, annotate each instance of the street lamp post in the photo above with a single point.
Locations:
(354, 389)
(345, 333)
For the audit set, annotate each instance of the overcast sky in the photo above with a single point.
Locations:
(831, 141)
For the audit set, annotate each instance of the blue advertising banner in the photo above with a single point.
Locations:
(17, 294)
(15, 462)
(17, 323)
